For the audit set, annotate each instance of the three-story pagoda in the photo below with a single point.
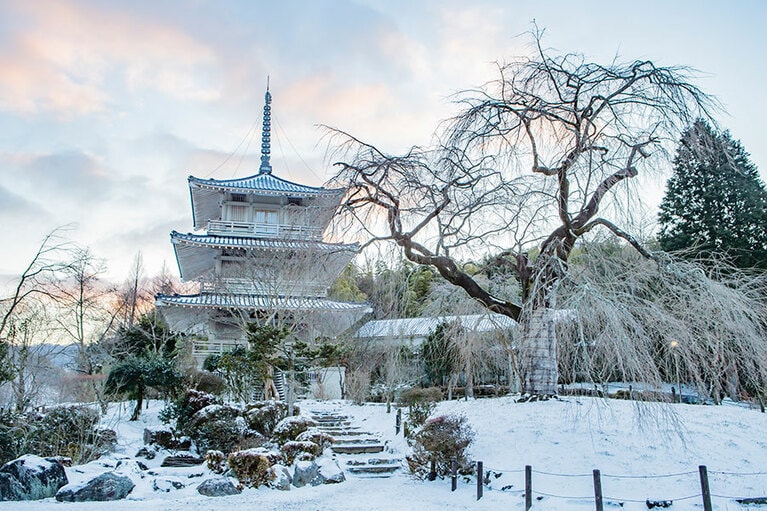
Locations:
(262, 257)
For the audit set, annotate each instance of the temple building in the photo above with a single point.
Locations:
(259, 254)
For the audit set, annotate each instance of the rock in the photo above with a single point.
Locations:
(167, 485)
(160, 435)
(146, 452)
(183, 443)
(11, 488)
(218, 487)
(182, 460)
(131, 468)
(107, 486)
(280, 477)
(306, 472)
(330, 472)
(39, 478)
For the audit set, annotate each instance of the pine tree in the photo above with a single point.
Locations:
(715, 204)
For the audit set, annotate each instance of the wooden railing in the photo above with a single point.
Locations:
(283, 231)
(247, 286)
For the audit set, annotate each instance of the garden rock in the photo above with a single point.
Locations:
(37, 477)
(167, 485)
(107, 486)
(218, 487)
(330, 473)
(306, 472)
(160, 435)
(280, 477)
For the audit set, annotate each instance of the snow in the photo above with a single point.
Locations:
(642, 450)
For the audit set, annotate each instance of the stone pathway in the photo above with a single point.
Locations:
(353, 447)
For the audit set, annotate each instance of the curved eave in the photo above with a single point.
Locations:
(263, 184)
(259, 302)
(217, 242)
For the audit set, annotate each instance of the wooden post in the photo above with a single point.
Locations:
(480, 477)
(453, 475)
(528, 487)
(598, 491)
(398, 421)
(432, 471)
(705, 490)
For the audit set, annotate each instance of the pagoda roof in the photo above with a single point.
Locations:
(212, 241)
(259, 302)
(263, 183)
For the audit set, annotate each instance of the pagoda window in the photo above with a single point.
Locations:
(266, 221)
(238, 213)
(239, 197)
(294, 201)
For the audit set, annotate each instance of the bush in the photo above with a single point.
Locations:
(318, 437)
(421, 403)
(250, 467)
(216, 461)
(290, 427)
(180, 411)
(263, 416)
(302, 451)
(442, 440)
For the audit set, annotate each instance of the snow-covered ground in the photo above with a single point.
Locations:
(642, 450)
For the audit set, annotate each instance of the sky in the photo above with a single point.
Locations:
(107, 106)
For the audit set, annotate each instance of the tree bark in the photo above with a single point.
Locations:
(539, 354)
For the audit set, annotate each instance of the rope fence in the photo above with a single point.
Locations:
(703, 492)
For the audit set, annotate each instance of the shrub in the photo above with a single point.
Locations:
(318, 437)
(421, 403)
(263, 416)
(216, 461)
(250, 467)
(290, 427)
(442, 440)
(180, 411)
(302, 451)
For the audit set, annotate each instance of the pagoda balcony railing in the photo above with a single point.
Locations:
(248, 287)
(282, 231)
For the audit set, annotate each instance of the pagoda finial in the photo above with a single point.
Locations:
(266, 137)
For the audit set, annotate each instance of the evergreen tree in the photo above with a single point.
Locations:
(715, 205)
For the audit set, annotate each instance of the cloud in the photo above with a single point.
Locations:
(74, 173)
(14, 205)
(61, 56)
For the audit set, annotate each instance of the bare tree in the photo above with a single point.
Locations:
(533, 162)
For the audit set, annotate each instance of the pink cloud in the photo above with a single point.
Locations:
(66, 52)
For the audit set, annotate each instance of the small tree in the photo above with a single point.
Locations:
(715, 205)
(133, 375)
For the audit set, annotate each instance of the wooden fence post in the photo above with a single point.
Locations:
(705, 490)
(480, 477)
(598, 491)
(432, 470)
(398, 421)
(528, 487)
(453, 475)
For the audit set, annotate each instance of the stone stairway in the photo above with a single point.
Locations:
(353, 447)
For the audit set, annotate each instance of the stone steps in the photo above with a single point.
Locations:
(354, 445)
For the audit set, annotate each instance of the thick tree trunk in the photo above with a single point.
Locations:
(539, 354)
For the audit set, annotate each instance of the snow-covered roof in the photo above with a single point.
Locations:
(262, 184)
(418, 328)
(206, 240)
(258, 302)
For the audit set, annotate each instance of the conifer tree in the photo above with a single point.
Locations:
(715, 204)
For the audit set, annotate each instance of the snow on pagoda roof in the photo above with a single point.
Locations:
(259, 302)
(262, 183)
(207, 240)
(420, 328)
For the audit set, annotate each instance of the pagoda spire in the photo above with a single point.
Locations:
(266, 140)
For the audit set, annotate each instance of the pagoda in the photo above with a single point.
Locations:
(259, 255)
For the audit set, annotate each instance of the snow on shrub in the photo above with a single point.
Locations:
(318, 437)
(263, 416)
(302, 451)
(441, 439)
(251, 467)
(290, 427)
(216, 461)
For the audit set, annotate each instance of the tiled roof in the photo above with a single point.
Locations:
(206, 240)
(422, 327)
(259, 302)
(262, 183)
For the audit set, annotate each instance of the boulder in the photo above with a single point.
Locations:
(182, 460)
(306, 472)
(160, 435)
(166, 485)
(38, 478)
(280, 477)
(107, 486)
(217, 487)
(329, 472)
